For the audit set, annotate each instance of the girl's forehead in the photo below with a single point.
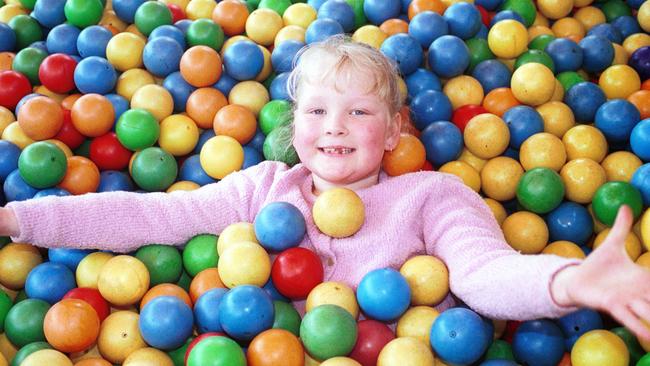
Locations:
(346, 79)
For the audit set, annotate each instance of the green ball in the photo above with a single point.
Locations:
(27, 61)
(540, 190)
(28, 4)
(277, 146)
(137, 129)
(537, 56)
(614, 9)
(499, 350)
(83, 13)
(274, 113)
(216, 351)
(27, 30)
(644, 361)
(4, 240)
(286, 317)
(267, 82)
(178, 355)
(611, 196)
(632, 344)
(359, 14)
(479, 51)
(569, 79)
(5, 305)
(206, 33)
(328, 331)
(22, 295)
(2, 3)
(164, 263)
(525, 8)
(278, 6)
(184, 281)
(27, 350)
(42, 164)
(200, 253)
(24, 322)
(253, 3)
(154, 169)
(83, 149)
(151, 15)
(540, 42)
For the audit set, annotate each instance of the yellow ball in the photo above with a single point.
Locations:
(124, 51)
(486, 135)
(582, 3)
(183, 185)
(585, 141)
(123, 280)
(582, 177)
(428, 279)
(599, 348)
(598, 226)
(267, 68)
(155, 99)
(178, 134)
(644, 260)
(338, 212)
(416, 322)
(335, 293)
(497, 209)
(7, 349)
(635, 41)
(244, 263)
(463, 90)
(508, 39)
(235, 233)
(533, 84)
(200, 9)
(474, 161)
(49, 357)
(221, 155)
(564, 249)
(262, 25)
(621, 165)
(569, 27)
(299, 14)
(645, 229)
(590, 16)
(542, 150)
(526, 232)
(540, 20)
(90, 267)
(620, 55)
(133, 29)
(340, 361)
(132, 80)
(41, 89)
(371, 35)
(632, 243)
(558, 118)
(558, 93)
(3, 360)
(10, 11)
(16, 261)
(406, 351)
(148, 356)
(555, 9)
(250, 94)
(464, 171)
(619, 81)
(110, 18)
(499, 178)
(119, 336)
(643, 16)
(294, 32)
(6, 117)
(15, 134)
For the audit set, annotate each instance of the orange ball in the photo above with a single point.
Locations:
(203, 105)
(40, 118)
(394, 26)
(93, 115)
(70, 100)
(82, 176)
(71, 325)
(166, 289)
(499, 100)
(235, 121)
(641, 100)
(204, 281)
(231, 16)
(418, 6)
(200, 66)
(275, 347)
(93, 362)
(6, 60)
(407, 157)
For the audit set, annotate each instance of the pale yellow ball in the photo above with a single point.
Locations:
(464, 171)
(406, 351)
(90, 267)
(526, 232)
(486, 135)
(564, 248)
(542, 150)
(123, 280)
(533, 84)
(244, 263)
(335, 293)
(428, 279)
(416, 322)
(235, 233)
(338, 212)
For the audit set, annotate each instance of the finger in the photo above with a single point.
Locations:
(623, 222)
(626, 318)
(641, 308)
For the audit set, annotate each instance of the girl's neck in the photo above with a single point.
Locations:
(321, 185)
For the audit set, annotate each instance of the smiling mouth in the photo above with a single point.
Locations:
(336, 150)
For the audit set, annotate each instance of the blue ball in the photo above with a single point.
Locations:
(316, 4)
(69, 257)
(428, 26)
(506, 15)
(49, 282)
(448, 56)
(59, 192)
(570, 221)
(577, 323)
(245, 311)
(168, 30)
(339, 11)
(379, 11)
(627, 25)
(16, 189)
(383, 294)
(489, 5)
(321, 29)
(95, 75)
(162, 56)
(191, 170)
(492, 74)
(120, 104)
(283, 55)
(458, 336)
(183, 25)
(243, 60)
(278, 88)
(225, 84)
(584, 99)
(9, 153)
(511, 153)
(258, 140)
(270, 289)
(640, 62)
(442, 141)
(498, 362)
(279, 226)
(640, 140)
(641, 181)
(49, 13)
(421, 80)
(616, 118)
(464, 20)
(252, 156)
(63, 39)
(7, 38)
(608, 31)
(206, 314)
(482, 32)
(166, 322)
(125, 9)
(179, 89)
(538, 342)
(404, 50)
(635, 4)
(598, 53)
(565, 53)
(429, 106)
(523, 122)
(113, 180)
(92, 41)
(203, 137)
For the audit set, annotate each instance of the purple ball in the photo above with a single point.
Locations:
(640, 61)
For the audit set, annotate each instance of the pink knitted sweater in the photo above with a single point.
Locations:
(413, 214)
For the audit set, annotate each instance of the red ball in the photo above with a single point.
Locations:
(68, 134)
(296, 271)
(427, 167)
(485, 16)
(57, 73)
(511, 328)
(92, 297)
(199, 339)
(463, 114)
(108, 153)
(372, 337)
(13, 87)
(177, 12)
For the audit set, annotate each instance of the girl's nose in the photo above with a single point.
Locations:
(335, 125)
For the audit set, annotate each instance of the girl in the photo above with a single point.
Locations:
(346, 115)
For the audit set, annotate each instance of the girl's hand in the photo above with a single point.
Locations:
(8, 222)
(610, 281)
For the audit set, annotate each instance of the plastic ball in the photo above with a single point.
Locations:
(538, 341)
(321, 29)
(463, 90)
(404, 50)
(499, 178)
(49, 281)
(221, 155)
(200, 66)
(119, 336)
(279, 226)
(108, 153)
(616, 119)
(123, 280)
(89, 268)
(166, 322)
(154, 169)
(296, 271)
(609, 198)
(584, 99)
(204, 32)
(582, 177)
(200, 9)
(206, 318)
(262, 25)
(499, 100)
(640, 180)
(564, 249)
(27, 350)
(13, 87)
(92, 297)
(24, 322)
(244, 263)
(571, 222)
(542, 150)
(203, 104)
(639, 138)
(336, 293)
(243, 60)
(203, 282)
(405, 350)
(464, 20)
(178, 135)
(245, 311)
(137, 129)
(338, 212)
(161, 56)
(42, 164)
(40, 118)
(151, 15)
(383, 294)
(611, 349)
(448, 56)
(486, 136)
(458, 335)
(231, 16)
(533, 84)
(540, 190)
(525, 232)
(48, 356)
(218, 351)
(407, 157)
(328, 331)
(250, 94)
(71, 325)
(274, 347)
(428, 279)
(508, 38)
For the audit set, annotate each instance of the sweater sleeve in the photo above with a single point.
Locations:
(485, 272)
(124, 221)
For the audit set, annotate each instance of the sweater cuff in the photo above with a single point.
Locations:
(561, 310)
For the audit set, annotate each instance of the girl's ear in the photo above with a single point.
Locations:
(393, 132)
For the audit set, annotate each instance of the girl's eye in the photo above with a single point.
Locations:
(358, 112)
(317, 111)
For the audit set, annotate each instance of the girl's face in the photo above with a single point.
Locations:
(341, 132)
